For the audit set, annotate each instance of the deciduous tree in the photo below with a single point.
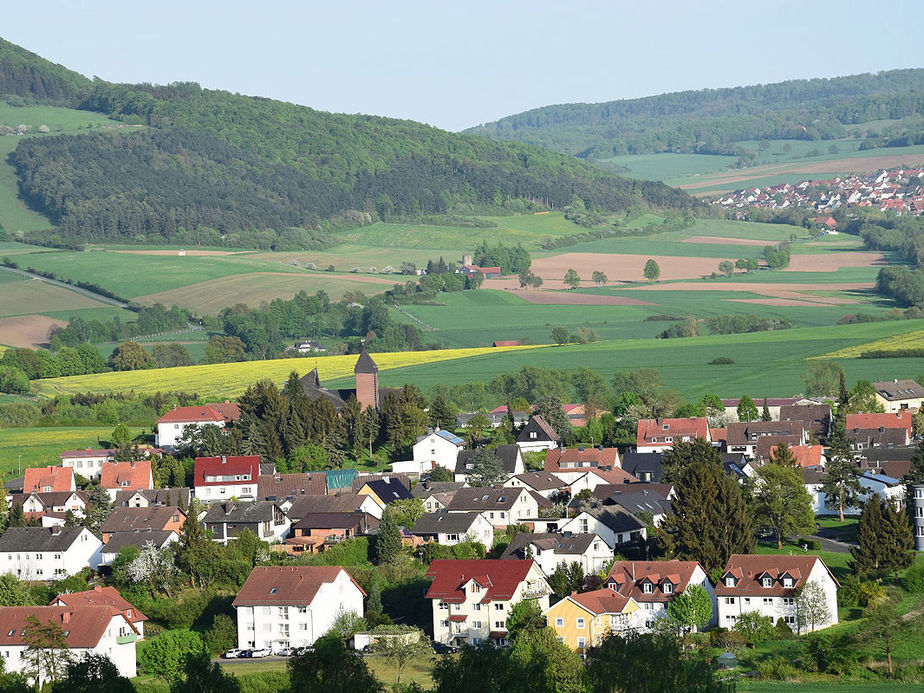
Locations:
(331, 668)
(651, 271)
(780, 503)
(747, 410)
(691, 609)
(572, 280)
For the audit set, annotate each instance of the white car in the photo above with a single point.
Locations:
(284, 652)
(262, 652)
(232, 654)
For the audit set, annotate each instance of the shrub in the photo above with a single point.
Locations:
(777, 668)
(754, 627)
(913, 581)
(727, 640)
(721, 361)
(811, 544)
(857, 592)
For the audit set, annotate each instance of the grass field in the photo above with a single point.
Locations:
(231, 379)
(909, 340)
(41, 446)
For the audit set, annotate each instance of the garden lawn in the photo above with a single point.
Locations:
(40, 447)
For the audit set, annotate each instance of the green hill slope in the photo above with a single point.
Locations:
(711, 120)
(242, 165)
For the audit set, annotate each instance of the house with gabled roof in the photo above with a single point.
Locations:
(46, 479)
(537, 435)
(227, 520)
(580, 458)
(53, 504)
(172, 425)
(901, 419)
(654, 584)
(582, 620)
(770, 585)
(138, 538)
(553, 549)
(338, 503)
(509, 456)
(436, 495)
(615, 525)
(899, 395)
(285, 489)
(501, 506)
(315, 532)
(816, 419)
(448, 528)
(87, 463)
(545, 484)
(658, 435)
(385, 491)
(292, 606)
(473, 598)
(48, 553)
(154, 517)
(87, 629)
(126, 476)
(226, 477)
(744, 437)
(105, 596)
(144, 498)
(437, 448)
(645, 466)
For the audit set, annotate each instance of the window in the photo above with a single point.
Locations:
(444, 605)
(747, 600)
(768, 601)
(559, 623)
(57, 556)
(476, 607)
(532, 435)
(729, 600)
(729, 581)
(476, 625)
(580, 642)
(303, 609)
(303, 626)
(500, 624)
(789, 620)
(647, 588)
(580, 623)
(767, 582)
(128, 613)
(787, 582)
(444, 624)
(245, 489)
(498, 606)
(789, 601)
(476, 588)
(668, 588)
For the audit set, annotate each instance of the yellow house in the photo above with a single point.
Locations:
(899, 395)
(582, 620)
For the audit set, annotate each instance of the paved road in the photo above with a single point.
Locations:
(69, 287)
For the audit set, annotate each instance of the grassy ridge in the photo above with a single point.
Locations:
(41, 446)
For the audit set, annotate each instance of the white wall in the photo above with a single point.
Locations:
(436, 449)
(54, 565)
(169, 433)
(88, 467)
(241, 490)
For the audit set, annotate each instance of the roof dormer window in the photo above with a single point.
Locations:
(767, 582)
(729, 581)
(668, 588)
(647, 588)
(787, 581)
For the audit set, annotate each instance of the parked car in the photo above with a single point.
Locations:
(260, 652)
(284, 652)
(233, 654)
(441, 648)
(302, 650)
(245, 653)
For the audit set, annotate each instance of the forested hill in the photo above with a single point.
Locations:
(31, 78)
(189, 158)
(709, 121)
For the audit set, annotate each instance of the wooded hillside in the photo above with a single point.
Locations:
(710, 120)
(203, 158)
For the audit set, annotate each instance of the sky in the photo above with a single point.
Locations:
(458, 64)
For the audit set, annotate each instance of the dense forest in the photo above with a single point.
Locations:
(190, 158)
(903, 235)
(711, 120)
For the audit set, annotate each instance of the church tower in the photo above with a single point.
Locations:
(367, 381)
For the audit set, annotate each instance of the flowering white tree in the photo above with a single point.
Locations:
(154, 567)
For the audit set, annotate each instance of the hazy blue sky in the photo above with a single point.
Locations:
(460, 64)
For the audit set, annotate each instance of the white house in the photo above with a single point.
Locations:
(226, 477)
(48, 553)
(37, 504)
(770, 585)
(88, 463)
(611, 523)
(106, 596)
(172, 425)
(265, 519)
(653, 584)
(97, 629)
(545, 484)
(899, 395)
(473, 598)
(889, 488)
(438, 448)
(551, 550)
(537, 435)
(451, 528)
(292, 606)
(501, 506)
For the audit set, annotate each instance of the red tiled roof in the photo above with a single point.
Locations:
(230, 410)
(287, 585)
(226, 466)
(559, 458)
(105, 596)
(84, 625)
(52, 478)
(653, 431)
(749, 568)
(188, 415)
(805, 455)
(614, 476)
(602, 601)
(284, 485)
(67, 454)
(718, 435)
(128, 476)
(897, 420)
(450, 575)
(630, 575)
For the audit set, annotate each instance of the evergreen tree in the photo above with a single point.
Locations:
(709, 521)
(899, 539)
(441, 413)
(388, 549)
(550, 408)
(765, 415)
(676, 459)
(841, 481)
(99, 507)
(783, 456)
(869, 554)
(17, 516)
(486, 468)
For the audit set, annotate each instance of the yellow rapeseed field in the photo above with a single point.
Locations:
(231, 379)
(909, 340)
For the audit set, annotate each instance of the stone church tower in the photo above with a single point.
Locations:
(367, 381)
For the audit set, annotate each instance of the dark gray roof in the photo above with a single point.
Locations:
(426, 488)
(365, 364)
(342, 503)
(540, 481)
(493, 498)
(541, 427)
(152, 517)
(119, 540)
(816, 418)
(637, 497)
(14, 485)
(157, 496)
(562, 543)
(39, 539)
(362, 478)
(897, 390)
(640, 463)
(896, 454)
(507, 454)
(389, 490)
(445, 523)
(745, 433)
(616, 518)
(879, 437)
(311, 384)
(358, 521)
(246, 513)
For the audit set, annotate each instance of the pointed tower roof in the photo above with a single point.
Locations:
(365, 364)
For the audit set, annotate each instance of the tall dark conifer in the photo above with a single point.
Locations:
(868, 554)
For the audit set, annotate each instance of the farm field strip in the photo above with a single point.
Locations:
(41, 446)
(909, 340)
(231, 379)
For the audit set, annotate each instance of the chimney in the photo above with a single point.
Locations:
(223, 459)
(66, 617)
(56, 529)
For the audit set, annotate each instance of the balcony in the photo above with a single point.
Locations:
(535, 592)
(124, 639)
